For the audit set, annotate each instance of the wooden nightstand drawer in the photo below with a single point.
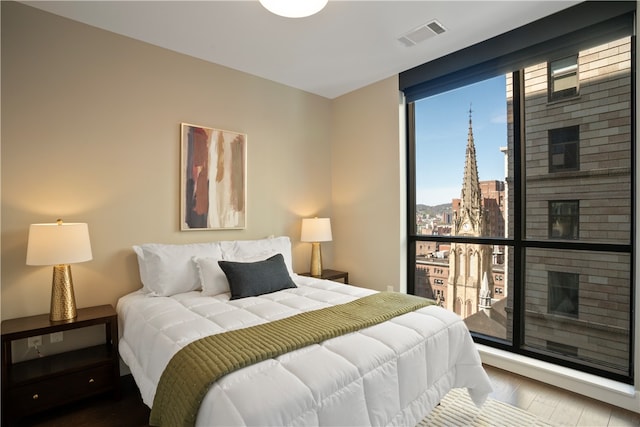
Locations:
(44, 394)
(38, 384)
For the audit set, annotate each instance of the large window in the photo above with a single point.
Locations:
(520, 192)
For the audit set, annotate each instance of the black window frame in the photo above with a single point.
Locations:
(564, 33)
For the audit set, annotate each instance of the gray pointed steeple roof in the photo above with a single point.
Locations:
(470, 196)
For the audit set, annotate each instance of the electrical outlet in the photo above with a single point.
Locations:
(389, 288)
(55, 337)
(34, 341)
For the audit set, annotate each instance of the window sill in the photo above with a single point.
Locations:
(602, 389)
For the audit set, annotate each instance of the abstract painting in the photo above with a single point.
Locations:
(213, 179)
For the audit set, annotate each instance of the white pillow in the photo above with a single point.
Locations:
(142, 267)
(251, 250)
(167, 270)
(213, 279)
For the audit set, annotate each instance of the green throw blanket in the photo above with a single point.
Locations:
(192, 370)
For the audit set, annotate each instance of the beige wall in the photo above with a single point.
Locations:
(90, 133)
(367, 185)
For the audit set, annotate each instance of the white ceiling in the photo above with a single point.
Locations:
(348, 45)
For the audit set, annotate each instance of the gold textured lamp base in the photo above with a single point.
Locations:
(63, 300)
(316, 260)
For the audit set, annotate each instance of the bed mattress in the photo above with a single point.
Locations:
(393, 373)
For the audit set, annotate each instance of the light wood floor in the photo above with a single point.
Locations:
(554, 405)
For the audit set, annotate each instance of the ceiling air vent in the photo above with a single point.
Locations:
(422, 33)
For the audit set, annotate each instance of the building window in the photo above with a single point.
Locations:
(564, 218)
(563, 149)
(563, 78)
(567, 350)
(563, 293)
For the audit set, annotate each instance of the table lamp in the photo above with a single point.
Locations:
(316, 230)
(59, 244)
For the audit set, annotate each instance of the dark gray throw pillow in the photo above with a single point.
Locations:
(250, 279)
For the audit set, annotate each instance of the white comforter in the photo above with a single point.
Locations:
(389, 374)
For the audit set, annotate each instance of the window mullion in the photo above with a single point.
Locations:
(519, 197)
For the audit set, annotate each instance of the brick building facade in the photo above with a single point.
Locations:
(577, 176)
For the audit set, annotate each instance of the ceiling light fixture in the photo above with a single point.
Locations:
(294, 8)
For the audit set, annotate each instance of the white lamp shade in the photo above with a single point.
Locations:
(62, 243)
(316, 230)
(294, 8)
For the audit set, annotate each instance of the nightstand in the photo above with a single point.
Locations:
(331, 275)
(35, 385)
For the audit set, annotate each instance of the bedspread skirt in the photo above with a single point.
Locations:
(393, 373)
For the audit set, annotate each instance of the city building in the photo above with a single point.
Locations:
(578, 190)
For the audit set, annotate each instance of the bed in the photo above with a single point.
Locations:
(392, 373)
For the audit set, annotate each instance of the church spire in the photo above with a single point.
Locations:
(470, 281)
(470, 197)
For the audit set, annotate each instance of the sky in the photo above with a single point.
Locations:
(442, 126)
